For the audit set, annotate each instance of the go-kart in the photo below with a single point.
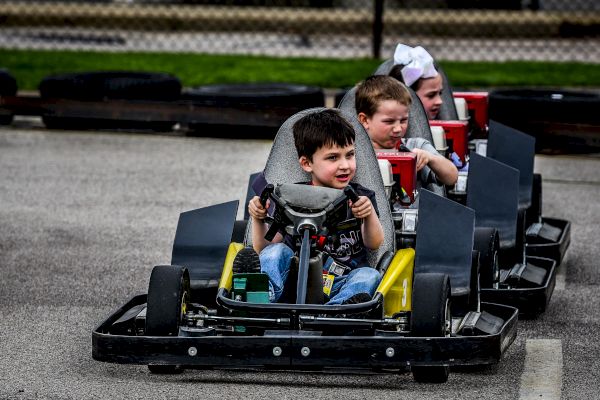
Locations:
(426, 314)
(464, 118)
(507, 276)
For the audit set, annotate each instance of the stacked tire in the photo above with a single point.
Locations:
(8, 87)
(106, 86)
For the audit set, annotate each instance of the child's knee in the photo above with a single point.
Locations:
(276, 251)
(367, 275)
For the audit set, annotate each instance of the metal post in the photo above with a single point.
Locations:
(377, 28)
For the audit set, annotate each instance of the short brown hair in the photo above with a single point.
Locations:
(377, 88)
(319, 129)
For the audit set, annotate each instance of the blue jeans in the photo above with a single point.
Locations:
(275, 260)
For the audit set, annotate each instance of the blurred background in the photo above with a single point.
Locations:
(456, 30)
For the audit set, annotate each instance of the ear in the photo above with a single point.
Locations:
(305, 164)
(363, 119)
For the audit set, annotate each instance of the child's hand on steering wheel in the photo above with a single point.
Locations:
(256, 209)
(362, 208)
(423, 158)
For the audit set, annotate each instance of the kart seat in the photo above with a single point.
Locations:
(282, 167)
(418, 127)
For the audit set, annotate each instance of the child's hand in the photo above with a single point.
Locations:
(256, 209)
(362, 208)
(423, 158)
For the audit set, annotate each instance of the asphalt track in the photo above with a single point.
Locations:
(85, 216)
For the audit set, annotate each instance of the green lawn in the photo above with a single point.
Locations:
(29, 67)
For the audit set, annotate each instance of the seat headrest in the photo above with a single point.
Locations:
(283, 167)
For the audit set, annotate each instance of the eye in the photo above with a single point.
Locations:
(331, 157)
(350, 154)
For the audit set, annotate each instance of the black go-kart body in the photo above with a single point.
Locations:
(425, 315)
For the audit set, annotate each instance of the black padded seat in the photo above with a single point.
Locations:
(283, 167)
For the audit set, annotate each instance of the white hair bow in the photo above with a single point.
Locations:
(417, 62)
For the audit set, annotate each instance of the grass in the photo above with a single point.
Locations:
(29, 67)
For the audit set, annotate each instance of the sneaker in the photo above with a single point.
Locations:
(358, 298)
(246, 261)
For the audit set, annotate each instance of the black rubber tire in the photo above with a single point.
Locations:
(168, 293)
(109, 85)
(554, 117)
(101, 85)
(260, 97)
(534, 212)
(430, 318)
(487, 243)
(8, 87)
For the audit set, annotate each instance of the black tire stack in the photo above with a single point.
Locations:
(8, 87)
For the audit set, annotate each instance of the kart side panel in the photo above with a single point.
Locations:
(323, 351)
(516, 149)
(202, 240)
(445, 239)
(493, 192)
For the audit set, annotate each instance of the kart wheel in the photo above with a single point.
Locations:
(431, 317)
(168, 295)
(8, 87)
(487, 243)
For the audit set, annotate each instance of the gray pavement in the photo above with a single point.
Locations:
(85, 216)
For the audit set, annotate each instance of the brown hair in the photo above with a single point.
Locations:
(319, 129)
(377, 88)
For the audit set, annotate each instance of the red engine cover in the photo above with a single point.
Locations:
(457, 135)
(477, 102)
(404, 169)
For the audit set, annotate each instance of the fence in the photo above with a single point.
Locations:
(495, 30)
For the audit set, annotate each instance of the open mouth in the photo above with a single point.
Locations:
(343, 177)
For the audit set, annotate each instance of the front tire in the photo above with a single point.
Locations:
(168, 295)
(431, 317)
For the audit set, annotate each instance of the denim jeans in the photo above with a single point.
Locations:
(275, 260)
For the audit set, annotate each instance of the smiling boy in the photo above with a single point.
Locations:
(325, 144)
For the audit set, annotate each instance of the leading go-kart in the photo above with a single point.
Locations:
(426, 313)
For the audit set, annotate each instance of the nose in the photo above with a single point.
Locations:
(397, 127)
(438, 100)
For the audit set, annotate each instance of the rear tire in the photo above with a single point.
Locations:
(487, 243)
(168, 295)
(431, 317)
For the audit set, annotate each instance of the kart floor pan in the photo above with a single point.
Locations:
(530, 301)
(291, 349)
(555, 250)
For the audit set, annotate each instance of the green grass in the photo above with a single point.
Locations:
(30, 67)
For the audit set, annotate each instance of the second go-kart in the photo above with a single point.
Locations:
(426, 314)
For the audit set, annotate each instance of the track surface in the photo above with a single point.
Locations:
(85, 216)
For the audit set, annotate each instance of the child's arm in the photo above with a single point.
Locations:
(372, 232)
(259, 227)
(443, 168)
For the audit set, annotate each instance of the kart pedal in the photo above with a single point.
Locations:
(246, 261)
(543, 233)
(480, 323)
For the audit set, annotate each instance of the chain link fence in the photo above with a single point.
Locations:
(490, 30)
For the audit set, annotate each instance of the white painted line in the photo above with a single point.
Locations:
(542, 376)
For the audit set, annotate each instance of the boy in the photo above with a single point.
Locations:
(325, 145)
(382, 105)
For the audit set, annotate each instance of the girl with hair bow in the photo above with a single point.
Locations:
(414, 67)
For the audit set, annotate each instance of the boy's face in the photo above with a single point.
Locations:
(430, 93)
(331, 166)
(387, 126)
